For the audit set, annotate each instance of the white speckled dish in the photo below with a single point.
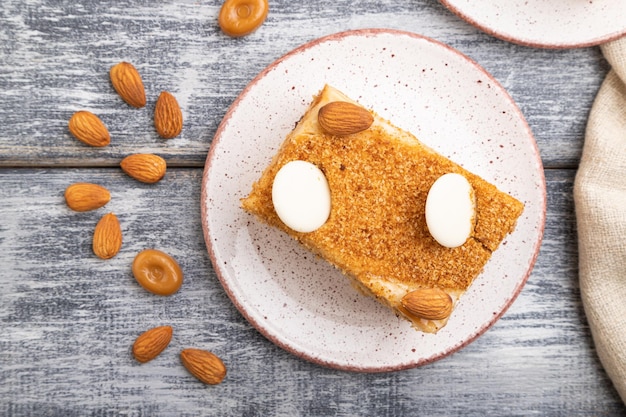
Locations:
(555, 24)
(297, 300)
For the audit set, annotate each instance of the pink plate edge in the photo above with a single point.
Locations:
(528, 43)
(265, 332)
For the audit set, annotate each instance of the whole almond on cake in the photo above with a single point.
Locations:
(84, 196)
(428, 303)
(204, 365)
(343, 118)
(89, 129)
(107, 237)
(168, 117)
(128, 84)
(148, 168)
(151, 343)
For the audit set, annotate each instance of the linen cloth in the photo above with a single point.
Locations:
(600, 201)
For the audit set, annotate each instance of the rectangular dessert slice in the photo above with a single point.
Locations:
(376, 233)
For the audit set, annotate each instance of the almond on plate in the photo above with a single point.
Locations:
(84, 196)
(151, 343)
(128, 84)
(204, 365)
(342, 118)
(89, 129)
(107, 237)
(144, 167)
(168, 117)
(428, 303)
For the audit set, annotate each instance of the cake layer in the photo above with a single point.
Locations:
(376, 232)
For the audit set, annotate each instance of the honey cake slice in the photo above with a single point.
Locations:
(376, 233)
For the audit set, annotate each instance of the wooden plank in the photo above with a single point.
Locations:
(69, 320)
(56, 58)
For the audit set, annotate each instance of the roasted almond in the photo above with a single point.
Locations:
(128, 84)
(107, 237)
(204, 365)
(89, 129)
(428, 303)
(84, 196)
(151, 343)
(168, 118)
(343, 118)
(144, 167)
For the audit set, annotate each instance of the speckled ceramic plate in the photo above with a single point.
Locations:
(297, 300)
(554, 24)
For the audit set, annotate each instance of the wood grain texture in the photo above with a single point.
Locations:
(69, 319)
(56, 58)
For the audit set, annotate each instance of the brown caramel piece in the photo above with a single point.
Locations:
(242, 17)
(157, 272)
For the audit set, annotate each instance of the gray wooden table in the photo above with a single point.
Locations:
(68, 319)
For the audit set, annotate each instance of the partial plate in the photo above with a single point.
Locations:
(554, 24)
(297, 300)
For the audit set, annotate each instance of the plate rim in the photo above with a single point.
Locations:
(367, 32)
(451, 5)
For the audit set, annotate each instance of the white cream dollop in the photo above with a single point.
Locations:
(450, 207)
(301, 196)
